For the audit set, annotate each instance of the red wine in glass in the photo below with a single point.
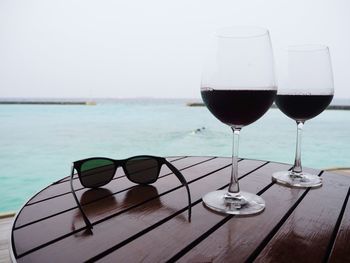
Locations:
(238, 107)
(303, 107)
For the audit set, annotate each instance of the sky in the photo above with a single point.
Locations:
(153, 48)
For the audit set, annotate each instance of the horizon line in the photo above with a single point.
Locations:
(113, 98)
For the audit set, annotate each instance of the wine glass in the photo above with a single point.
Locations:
(238, 87)
(308, 91)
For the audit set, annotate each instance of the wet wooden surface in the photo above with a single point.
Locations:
(149, 223)
(5, 231)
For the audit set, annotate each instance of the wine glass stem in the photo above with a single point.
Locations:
(297, 169)
(234, 186)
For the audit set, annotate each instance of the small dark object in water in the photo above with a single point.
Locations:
(199, 130)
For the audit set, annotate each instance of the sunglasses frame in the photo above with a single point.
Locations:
(121, 163)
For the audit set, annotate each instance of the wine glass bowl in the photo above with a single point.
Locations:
(238, 87)
(307, 93)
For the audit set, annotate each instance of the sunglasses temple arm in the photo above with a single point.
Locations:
(184, 182)
(86, 220)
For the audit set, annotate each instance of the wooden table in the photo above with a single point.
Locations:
(149, 223)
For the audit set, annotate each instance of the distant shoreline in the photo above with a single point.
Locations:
(94, 102)
(330, 107)
(47, 103)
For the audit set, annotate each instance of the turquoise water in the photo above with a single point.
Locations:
(38, 143)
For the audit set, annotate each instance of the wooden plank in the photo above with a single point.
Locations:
(63, 224)
(341, 248)
(173, 236)
(5, 231)
(307, 232)
(63, 187)
(125, 226)
(33, 212)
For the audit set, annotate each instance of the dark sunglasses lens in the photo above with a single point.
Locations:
(142, 170)
(96, 172)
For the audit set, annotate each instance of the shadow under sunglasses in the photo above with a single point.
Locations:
(135, 196)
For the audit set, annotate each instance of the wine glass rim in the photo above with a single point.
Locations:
(241, 32)
(307, 48)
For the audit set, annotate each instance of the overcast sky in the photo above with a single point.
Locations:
(148, 48)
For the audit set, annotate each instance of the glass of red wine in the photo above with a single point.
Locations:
(307, 92)
(238, 87)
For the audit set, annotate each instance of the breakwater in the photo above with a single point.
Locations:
(48, 102)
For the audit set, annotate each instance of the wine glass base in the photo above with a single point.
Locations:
(302, 181)
(253, 204)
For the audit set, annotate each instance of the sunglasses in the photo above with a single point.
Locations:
(99, 171)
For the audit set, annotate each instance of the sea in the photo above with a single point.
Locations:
(38, 143)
